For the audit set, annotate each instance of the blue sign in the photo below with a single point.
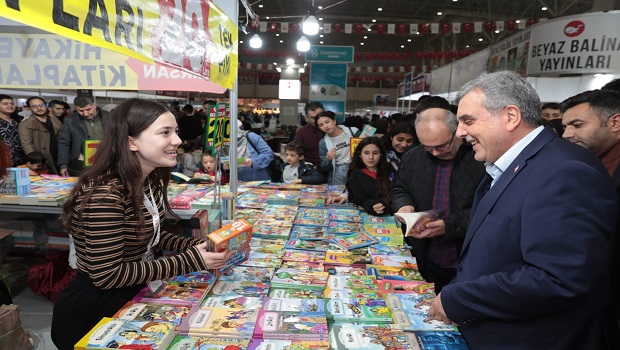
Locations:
(328, 85)
(336, 54)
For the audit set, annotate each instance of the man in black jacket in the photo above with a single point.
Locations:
(440, 174)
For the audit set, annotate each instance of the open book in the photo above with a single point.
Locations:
(192, 180)
(416, 222)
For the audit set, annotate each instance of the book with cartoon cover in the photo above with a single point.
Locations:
(394, 260)
(315, 266)
(441, 340)
(294, 305)
(241, 288)
(272, 229)
(296, 243)
(405, 286)
(352, 241)
(248, 274)
(304, 255)
(189, 342)
(358, 310)
(219, 322)
(295, 279)
(311, 221)
(371, 337)
(203, 278)
(295, 293)
(410, 312)
(233, 302)
(393, 273)
(236, 237)
(115, 333)
(138, 311)
(263, 260)
(287, 325)
(311, 233)
(343, 227)
(174, 294)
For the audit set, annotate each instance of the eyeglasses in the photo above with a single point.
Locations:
(441, 147)
(42, 105)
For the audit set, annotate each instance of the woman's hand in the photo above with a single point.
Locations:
(336, 200)
(330, 155)
(214, 260)
(379, 208)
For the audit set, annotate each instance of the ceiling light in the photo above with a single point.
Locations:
(321, 28)
(402, 46)
(305, 64)
(365, 37)
(310, 26)
(379, 9)
(303, 44)
(240, 41)
(290, 61)
(370, 30)
(417, 33)
(267, 17)
(544, 8)
(320, 36)
(260, 6)
(374, 20)
(439, 13)
(320, 18)
(277, 34)
(362, 44)
(320, 42)
(480, 39)
(275, 63)
(279, 69)
(467, 46)
(518, 21)
(408, 40)
(302, 70)
(496, 31)
(455, 0)
(256, 42)
(281, 41)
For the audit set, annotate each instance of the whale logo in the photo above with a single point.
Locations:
(574, 28)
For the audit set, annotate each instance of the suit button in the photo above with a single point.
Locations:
(460, 268)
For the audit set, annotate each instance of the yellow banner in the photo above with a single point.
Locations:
(193, 35)
(354, 142)
(90, 148)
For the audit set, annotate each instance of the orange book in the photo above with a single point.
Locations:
(236, 237)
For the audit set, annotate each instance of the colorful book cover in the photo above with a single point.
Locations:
(311, 233)
(263, 260)
(294, 305)
(219, 322)
(371, 219)
(304, 255)
(296, 243)
(371, 337)
(233, 302)
(394, 260)
(241, 288)
(311, 221)
(188, 342)
(345, 217)
(295, 279)
(295, 293)
(313, 213)
(393, 273)
(116, 333)
(203, 278)
(358, 310)
(152, 312)
(236, 237)
(269, 344)
(344, 211)
(272, 229)
(303, 266)
(346, 270)
(199, 222)
(291, 326)
(410, 312)
(405, 286)
(343, 227)
(248, 274)
(343, 287)
(441, 340)
(174, 294)
(352, 241)
(346, 258)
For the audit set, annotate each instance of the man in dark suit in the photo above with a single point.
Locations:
(592, 120)
(534, 271)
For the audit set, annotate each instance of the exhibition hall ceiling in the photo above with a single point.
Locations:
(403, 15)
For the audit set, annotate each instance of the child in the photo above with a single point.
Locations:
(188, 164)
(298, 171)
(35, 161)
(368, 179)
(209, 168)
(334, 147)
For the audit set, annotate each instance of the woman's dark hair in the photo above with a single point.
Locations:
(400, 128)
(328, 114)
(114, 160)
(35, 158)
(384, 181)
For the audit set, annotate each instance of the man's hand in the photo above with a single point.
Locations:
(405, 209)
(64, 172)
(433, 229)
(436, 311)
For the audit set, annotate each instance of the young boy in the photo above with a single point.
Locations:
(209, 168)
(297, 171)
(35, 161)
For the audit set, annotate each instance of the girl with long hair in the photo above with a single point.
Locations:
(334, 147)
(399, 140)
(113, 214)
(368, 180)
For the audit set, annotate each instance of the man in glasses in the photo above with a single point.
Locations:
(39, 132)
(535, 268)
(440, 174)
(592, 120)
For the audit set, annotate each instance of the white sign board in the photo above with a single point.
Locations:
(585, 44)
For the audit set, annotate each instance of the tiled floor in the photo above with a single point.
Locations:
(36, 316)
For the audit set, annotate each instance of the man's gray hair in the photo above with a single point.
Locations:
(505, 88)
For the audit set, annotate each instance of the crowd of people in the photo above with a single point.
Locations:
(523, 253)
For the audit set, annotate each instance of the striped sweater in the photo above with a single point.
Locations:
(110, 251)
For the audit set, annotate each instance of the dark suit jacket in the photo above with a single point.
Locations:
(72, 135)
(534, 272)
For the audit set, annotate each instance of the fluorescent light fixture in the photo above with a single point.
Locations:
(256, 42)
(496, 31)
(290, 61)
(439, 13)
(544, 8)
(310, 26)
(279, 69)
(402, 46)
(374, 20)
(379, 9)
(303, 44)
